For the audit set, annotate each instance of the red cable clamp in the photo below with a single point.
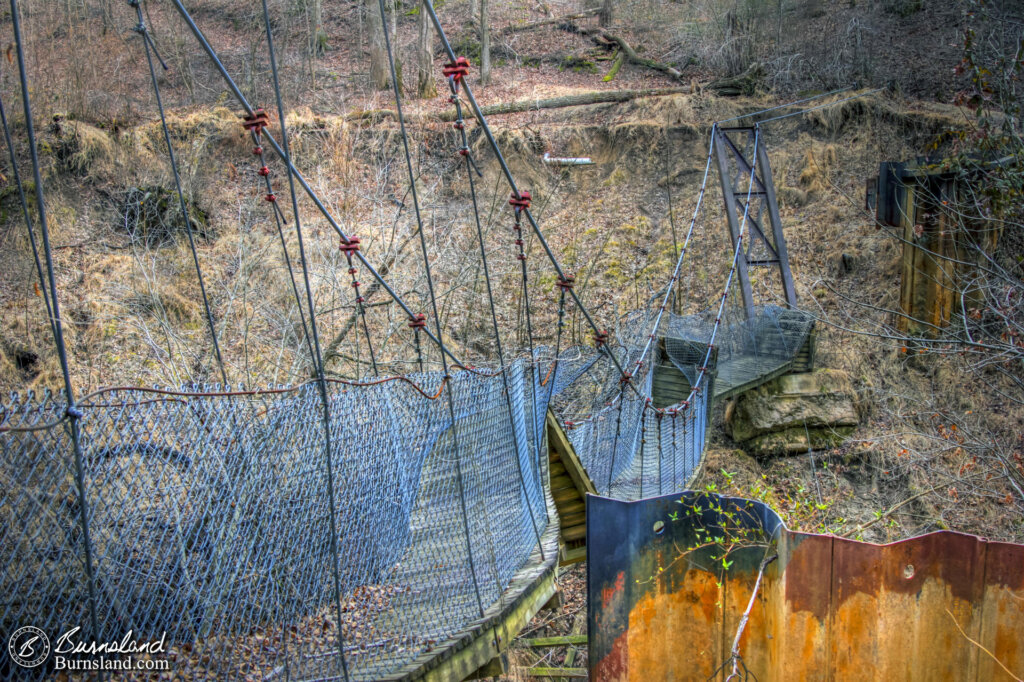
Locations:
(350, 247)
(600, 338)
(625, 378)
(458, 125)
(257, 151)
(520, 202)
(464, 151)
(257, 121)
(418, 321)
(271, 198)
(264, 171)
(457, 69)
(566, 283)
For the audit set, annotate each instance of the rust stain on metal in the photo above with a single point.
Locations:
(828, 608)
(607, 593)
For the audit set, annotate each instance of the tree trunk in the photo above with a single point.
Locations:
(425, 86)
(318, 37)
(604, 18)
(392, 6)
(474, 10)
(378, 52)
(485, 44)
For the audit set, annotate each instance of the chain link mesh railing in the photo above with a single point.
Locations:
(632, 451)
(210, 520)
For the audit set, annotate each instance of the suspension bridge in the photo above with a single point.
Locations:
(394, 527)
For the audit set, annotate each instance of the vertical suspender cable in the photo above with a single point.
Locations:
(279, 221)
(433, 303)
(318, 359)
(73, 412)
(233, 87)
(147, 44)
(28, 218)
(515, 190)
(529, 335)
(453, 82)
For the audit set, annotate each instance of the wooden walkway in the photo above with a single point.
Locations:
(480, 649)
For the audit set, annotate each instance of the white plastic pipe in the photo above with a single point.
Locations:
(566, 161)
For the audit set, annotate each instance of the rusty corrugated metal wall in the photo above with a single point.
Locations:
(828, 608)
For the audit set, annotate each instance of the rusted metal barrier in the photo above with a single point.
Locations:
(670, 578)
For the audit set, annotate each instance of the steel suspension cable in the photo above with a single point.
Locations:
(279, 222)
(72, 411)
(673, 281)
(293, 171)
(348, 250)
(529, 327)
(433, 304)
(147, 42)
(562, 285)
(682, 254)
(318, 358)
(28, 218)
(515, 190)
(820, 106)
(737, 254)
(453, 83)
(738, 251)
(786, 105)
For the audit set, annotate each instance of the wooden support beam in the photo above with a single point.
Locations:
(560, 442)
(570, 483)
(496, 667)
(572, 556)
(574, 673)
(564, 640)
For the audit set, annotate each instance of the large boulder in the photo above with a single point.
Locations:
(794, 413)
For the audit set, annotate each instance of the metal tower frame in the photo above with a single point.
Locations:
(732, 147)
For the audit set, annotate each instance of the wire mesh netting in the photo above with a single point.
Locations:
(210, 520)
(748, 348)
(210, 513)
(632, 451)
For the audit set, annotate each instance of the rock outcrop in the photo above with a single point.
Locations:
(779, 417)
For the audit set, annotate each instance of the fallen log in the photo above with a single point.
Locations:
(548, 22)
(742, 84)
(616, 65)
(606, 39)
(518, 106)
(579, 99)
